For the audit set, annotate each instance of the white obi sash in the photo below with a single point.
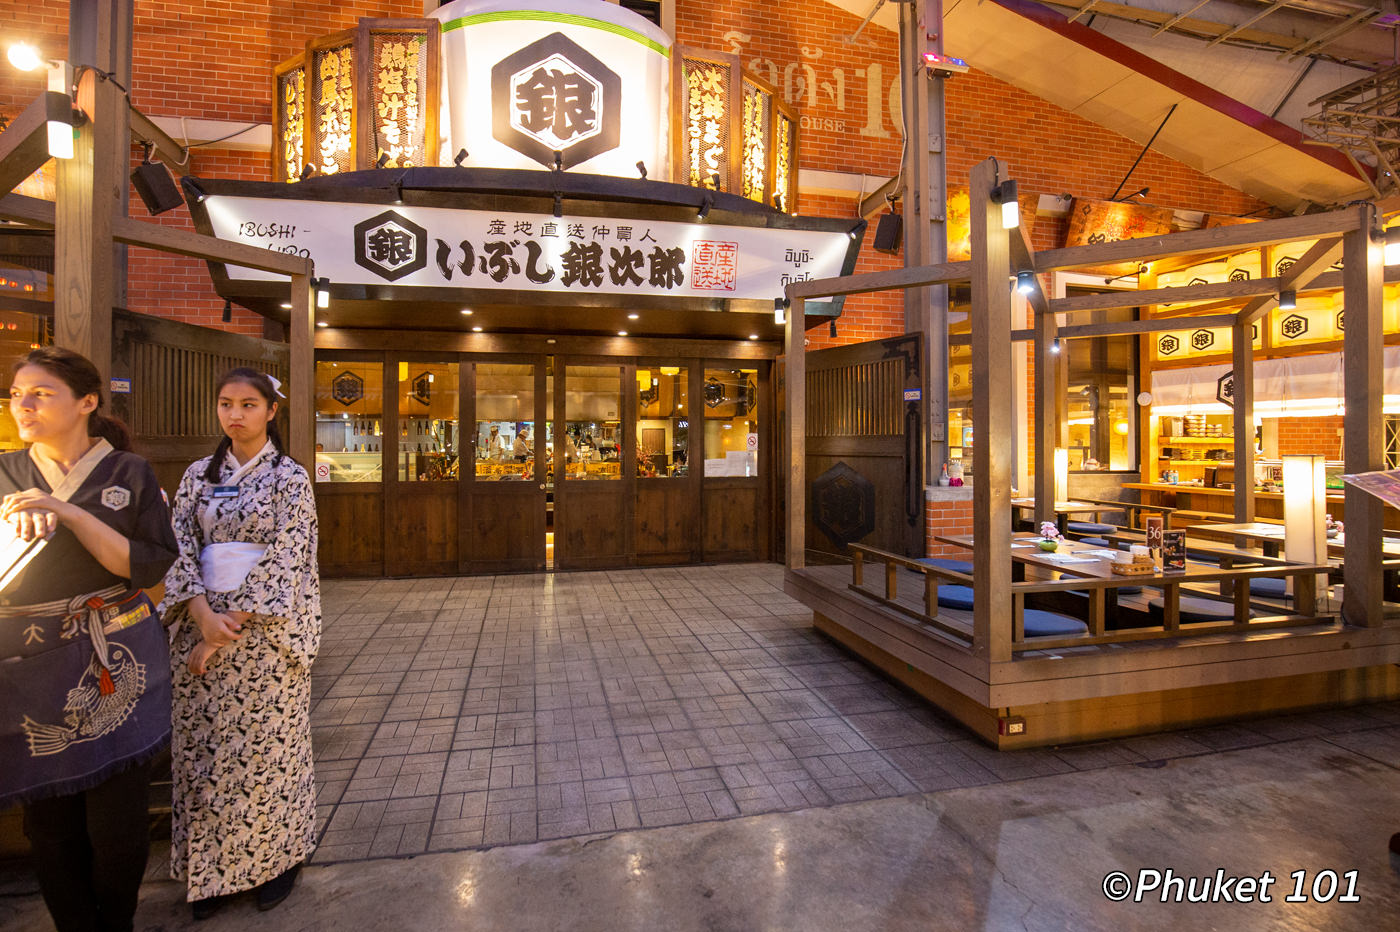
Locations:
(225, 566)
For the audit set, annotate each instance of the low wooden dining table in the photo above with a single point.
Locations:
(1092, 563)
(1064, 509)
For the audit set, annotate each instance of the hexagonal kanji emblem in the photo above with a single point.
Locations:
(1225, 389)
(1284, 264)
(1202, 339)
(554, 97)
(347, 388)
(421, 388)
(1167, 345)
(391, 246)
(1239, 275)
(1294, 326)
(1198, 281)
(1342, 320)
(843, 505)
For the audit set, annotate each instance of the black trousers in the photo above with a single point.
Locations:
(89, 850)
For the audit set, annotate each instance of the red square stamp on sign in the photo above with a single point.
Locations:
(714, 266)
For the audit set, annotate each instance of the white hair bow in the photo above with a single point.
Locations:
(276, 386)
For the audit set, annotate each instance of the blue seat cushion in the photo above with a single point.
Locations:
(1269, 587)
(946, 563)
(1090, 527)
(955, 597)
(1040, 623)
(1193, 609)
(1095, 542)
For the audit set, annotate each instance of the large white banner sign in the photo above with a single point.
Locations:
(585, 80)
(374, 244)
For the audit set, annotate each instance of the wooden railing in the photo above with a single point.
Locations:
(1234, 579)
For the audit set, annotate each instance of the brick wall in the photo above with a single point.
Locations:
(945, 517)
(214, 60)
(1303, 436)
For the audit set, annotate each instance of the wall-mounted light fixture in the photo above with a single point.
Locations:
(193, 186)
(1025, 281)
(459, 158)
(59, 117)
(308, 171)
(831, 331)
(322, 287)
(780, 306)
(1287, 300)
(1005, 195)
(642, 169)
(705, 205)
(1055, 345)
(228, 310)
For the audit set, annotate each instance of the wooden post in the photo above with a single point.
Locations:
(91, 187)
(1047, 415)
(795, 391)
(1242, 350)
(301, 399)
(1362, 441)
(991, 420)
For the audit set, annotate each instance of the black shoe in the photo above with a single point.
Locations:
(203, 909)
(277, 889)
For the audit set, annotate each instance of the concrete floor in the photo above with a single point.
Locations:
(789, 787)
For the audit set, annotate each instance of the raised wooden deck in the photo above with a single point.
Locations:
(1072, 693)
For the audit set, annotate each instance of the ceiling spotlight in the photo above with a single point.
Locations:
(382, 160)
(286, 305)
(228, 310)
(622, 333)
(194, 188)
(705, 206)
(466, 312)
(753, 336)
(476, 330)
(308, 171)
(322, 323)
(1005, 195)
(633, 316)
(1025, 281)
(780, 306)
(1287, 300)
(642, 170)
(322, 287)
(857, 230)
(459, 158)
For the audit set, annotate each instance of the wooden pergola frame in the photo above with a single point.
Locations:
(998, 254)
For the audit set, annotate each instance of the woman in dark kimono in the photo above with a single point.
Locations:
(84, 668)
(244, 605)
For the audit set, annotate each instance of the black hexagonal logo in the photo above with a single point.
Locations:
(1294, 326)
(391, 246)
(554, 97)
(1225, 389)
(347, 388)
(843, 505)
(1342, 320)
(1167, 345)
(1202, 339)
(1284, 264)
(421, 388)
(1198, 281)
(1239, 275)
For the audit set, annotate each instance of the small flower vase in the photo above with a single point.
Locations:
(1049, 546)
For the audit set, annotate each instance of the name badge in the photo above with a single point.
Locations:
(224, 491)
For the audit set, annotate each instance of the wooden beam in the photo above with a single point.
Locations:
(1023, 257)
(1363, 441)
(795, 447)
(991, 420)
(24, 145)
(1047, 411)
(175, 156)
(31, 211)
(1321, 256)
(1151, 325)
(301, 396)
(185, 243)
(946, 273)
(875, 200)
(1121, 297)
(965, 339)
(1215, 239)
(1242, 352)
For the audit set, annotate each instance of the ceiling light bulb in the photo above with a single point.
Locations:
(24, 56)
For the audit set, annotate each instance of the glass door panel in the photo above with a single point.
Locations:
(429, 431)
(505, 422)
(593, 434)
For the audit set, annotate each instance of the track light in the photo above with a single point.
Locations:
(322, 287)
(1287, 300)
(558, 205)
(856, 231)
(778, 201)
(780, 306)
(1005, 195)
(642, 170)
(459, 158)
(382, 160)
(714, 180)
(228, 310)
(831, 331)
(705, 206)
(308, 171)
(195, 189)
(558, 161)
(1025, 281)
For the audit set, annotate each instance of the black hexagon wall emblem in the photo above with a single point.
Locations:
(1198, 281)
(1202, 339)
(1239, 275)
(1225, 389)
(1167, 345)
(347, 388)
(1342, 320)
(843, 505)
(1294, 326)
(391, 246)
(421, 388)
(552, 96)
(1284, 264)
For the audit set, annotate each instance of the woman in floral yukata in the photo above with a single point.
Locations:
(244, 603)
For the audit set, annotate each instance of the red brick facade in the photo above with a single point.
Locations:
(945, 517)
(1304, 436)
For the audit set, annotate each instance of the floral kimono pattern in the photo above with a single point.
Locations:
(243, 803)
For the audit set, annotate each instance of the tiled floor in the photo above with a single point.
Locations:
(459, 713)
